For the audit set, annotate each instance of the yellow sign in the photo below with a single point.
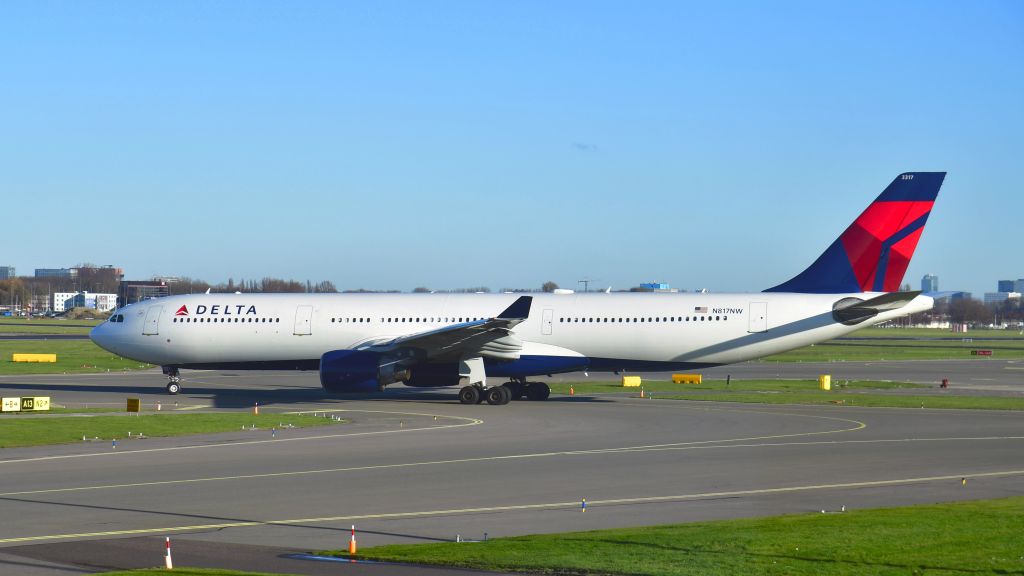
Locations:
(825, 381)
(133, 405)
(26, 404)
(686, 378)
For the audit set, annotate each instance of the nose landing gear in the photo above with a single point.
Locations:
(174, 385)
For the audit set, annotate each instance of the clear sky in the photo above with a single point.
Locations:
(452, 144)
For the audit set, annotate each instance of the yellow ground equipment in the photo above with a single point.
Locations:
(33, 357)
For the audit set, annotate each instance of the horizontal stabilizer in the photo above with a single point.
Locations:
(852, 311)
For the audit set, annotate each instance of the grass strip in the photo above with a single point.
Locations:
(845, 393)
(73, 357)
(981, 537)
(188, 572)
(19, 431)
(871, 351)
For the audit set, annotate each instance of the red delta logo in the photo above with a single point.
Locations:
(183, 311)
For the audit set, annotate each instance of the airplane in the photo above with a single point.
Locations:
(364, 342)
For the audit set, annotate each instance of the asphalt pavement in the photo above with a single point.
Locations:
(413, 466)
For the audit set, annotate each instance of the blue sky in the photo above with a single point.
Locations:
(451, 144)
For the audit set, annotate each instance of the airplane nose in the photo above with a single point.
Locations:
(100, 335)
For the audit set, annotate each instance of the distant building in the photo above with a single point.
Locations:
(64, 301)
(1000, 297)
(6, 272)
(1018, 286)
(56, 272)
(960, 296)
(132, 291)
(930, 283)
(41, 303)
(656, 287)
(1005, 286)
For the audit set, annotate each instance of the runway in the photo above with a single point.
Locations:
(414, 466)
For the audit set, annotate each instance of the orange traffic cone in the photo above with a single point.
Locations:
(167, 557)
(641, 392)
(352, 542)
(256, 409)
(572, 392)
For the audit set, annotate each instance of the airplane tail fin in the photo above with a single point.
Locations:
(873, 253)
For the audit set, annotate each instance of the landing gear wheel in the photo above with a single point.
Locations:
(498, 395)
(469, 395)
(537, 391)
(173, 388)
(516, 389)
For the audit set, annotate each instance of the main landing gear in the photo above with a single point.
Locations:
(174, 386)
(499, 395)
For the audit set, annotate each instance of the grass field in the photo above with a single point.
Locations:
(873, 351)
(934, 333)
(187, 572)
(42, 326)
(73, 357)
(974, 538)
(874, 344)
(22, 430)
(852, 393)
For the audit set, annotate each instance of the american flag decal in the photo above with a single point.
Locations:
(700, 309)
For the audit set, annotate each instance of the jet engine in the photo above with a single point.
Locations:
(354, 371)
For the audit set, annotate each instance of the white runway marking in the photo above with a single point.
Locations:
(536, 506)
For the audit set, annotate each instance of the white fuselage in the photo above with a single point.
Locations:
(622, 331)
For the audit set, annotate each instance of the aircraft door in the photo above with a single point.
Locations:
(303, 321)
(151, 327)
(758, 321)
(548, 320)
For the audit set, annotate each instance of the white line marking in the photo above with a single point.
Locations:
(511, 508)
(625, 450)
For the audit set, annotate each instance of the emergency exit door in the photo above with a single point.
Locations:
(303, 321)
(758, 317)
(547, 321)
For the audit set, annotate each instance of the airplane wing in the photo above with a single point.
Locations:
(490, 336)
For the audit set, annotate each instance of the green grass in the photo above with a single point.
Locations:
(852, 393)
(1004, 346)
(187, 572)
(73, 357)
(21, 430)
(933, 333)
(980, 537)
(45, 326)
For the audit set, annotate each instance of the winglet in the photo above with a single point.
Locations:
(519, 310)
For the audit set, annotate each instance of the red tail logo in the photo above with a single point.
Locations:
(183, 311)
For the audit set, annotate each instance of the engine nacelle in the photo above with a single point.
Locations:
(434, 375)
(350, 371)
